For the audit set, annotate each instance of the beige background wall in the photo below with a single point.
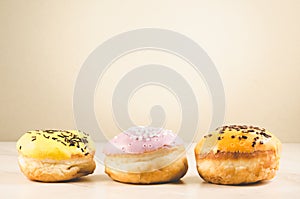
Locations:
(255, 46)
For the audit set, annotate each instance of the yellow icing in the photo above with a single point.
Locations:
(55, 144)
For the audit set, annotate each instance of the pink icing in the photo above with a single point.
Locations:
(140, 139)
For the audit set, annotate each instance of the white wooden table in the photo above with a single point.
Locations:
(14, 185)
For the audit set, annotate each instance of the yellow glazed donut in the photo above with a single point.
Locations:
(238, 154)
(55, 155)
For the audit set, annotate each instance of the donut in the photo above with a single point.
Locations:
(145, 155)
(55, 155)
(238, 154)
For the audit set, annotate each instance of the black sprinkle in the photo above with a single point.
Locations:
(253, 144)
(20, 147)
(244, 137)
(232, 136)
(85, 133)
(82, 150)
(209, 135)
(219, 138)
(266, 135)
(51, 130)
(251, 130)
(65, 135)
(261, 142)
(46, 136)
(218, 151)
(54, 138)
(84, 140)
(33, 138)
(87, 153)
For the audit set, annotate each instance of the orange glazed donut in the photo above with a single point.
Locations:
(238, 154)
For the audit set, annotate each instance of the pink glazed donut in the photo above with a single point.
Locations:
(145, 155)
